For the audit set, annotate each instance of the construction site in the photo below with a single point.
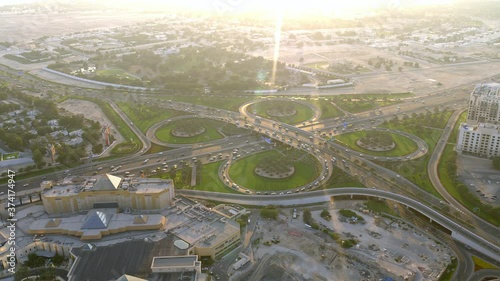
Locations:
(291, 250)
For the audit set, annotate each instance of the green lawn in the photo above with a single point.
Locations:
(157, 148)
(450, 269)
(459, 191)
(13, 155)
(145, 116)
(454, 134)
(416, 170)
(116, 72)
(404, 145)
(482, 264)
(340, 178)
(302, 114)
(228, 103)
(379, 207)
(210, 180)
(210, 134)
(307, 169)
(328, 110)
(365, 102)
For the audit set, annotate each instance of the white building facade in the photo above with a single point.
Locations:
(480, 135)
(481, 140)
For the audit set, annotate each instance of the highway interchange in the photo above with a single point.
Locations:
(386, 183)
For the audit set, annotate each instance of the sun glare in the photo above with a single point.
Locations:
(266, 8)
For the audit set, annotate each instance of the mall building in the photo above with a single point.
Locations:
(77, 194)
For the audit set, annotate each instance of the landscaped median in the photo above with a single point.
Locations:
(427, 127)
(195, 130)
(281, 110)
(145, 116)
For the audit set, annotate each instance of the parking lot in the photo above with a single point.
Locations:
(478, 174)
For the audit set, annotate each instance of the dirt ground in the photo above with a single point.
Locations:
(386, 247)
(426, 79)
(90, 111)
(30, 26)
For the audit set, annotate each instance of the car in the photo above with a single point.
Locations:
(273, 193)
(26, 184)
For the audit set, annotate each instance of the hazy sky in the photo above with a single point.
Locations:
(290, 8)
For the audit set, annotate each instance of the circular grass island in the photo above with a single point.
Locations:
(290, 169)
(275, 168)
(377, 143)
(195, 130)
(187, 128)
(283, 111)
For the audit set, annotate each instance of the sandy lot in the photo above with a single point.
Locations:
(386, 247)
(90, 111)
(27, 27)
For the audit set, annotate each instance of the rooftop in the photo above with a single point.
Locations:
(71, 186)
(96, 224)
(198, 225)
(110, 262)
(487, 89)
(481, 128)
(170, 261)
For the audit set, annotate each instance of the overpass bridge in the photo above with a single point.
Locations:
(459, 233)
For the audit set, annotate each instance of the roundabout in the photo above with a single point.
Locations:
(284, 110)
(190, 129)
(384, 144)
(274, 170)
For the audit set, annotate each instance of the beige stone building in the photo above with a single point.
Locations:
(77, 194)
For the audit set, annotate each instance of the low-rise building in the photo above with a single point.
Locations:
(77, 194)
(74, 141)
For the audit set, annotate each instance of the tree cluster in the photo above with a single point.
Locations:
(269, 212)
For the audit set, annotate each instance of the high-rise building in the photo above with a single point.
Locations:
(480, 135)
(484, 104)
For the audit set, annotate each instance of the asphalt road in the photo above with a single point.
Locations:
(320, 196)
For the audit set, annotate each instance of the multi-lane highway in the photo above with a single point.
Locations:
(371, 174)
